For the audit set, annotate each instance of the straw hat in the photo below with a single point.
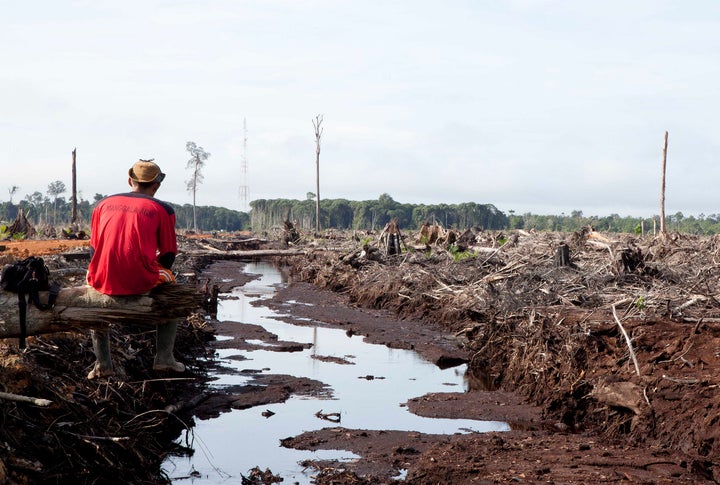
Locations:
(146, 171)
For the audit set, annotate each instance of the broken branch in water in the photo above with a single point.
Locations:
(190, 404)
(334, 417)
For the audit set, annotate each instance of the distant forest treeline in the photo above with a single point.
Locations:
(372, 214)
(43, 211)
(361, 215)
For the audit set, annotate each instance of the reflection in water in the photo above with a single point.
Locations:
(478, 380)
(237, 441)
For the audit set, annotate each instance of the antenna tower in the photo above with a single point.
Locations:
(243, 168)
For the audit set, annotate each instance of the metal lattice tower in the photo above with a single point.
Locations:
(243, 167)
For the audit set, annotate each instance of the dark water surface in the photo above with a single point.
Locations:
(230, 445)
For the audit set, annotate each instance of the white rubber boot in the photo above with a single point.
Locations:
(164, 359)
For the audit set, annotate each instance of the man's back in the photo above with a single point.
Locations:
(127, 233)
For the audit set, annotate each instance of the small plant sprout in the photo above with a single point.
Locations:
(640, 303)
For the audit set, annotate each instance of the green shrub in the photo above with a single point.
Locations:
(459, 255)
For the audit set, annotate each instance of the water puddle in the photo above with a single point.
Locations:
(368, 388)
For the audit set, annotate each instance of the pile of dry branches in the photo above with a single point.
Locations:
(112, 430)
(500, 274)
(533, 317)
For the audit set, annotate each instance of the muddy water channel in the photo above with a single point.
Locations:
(366, 386)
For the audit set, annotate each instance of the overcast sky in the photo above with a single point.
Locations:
(531, 105)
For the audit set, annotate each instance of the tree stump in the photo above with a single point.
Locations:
(291, 233)
(562, 256)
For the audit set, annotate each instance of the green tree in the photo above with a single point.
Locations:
(54, 190)
(196, 164)
(32, 205)
(340, 214)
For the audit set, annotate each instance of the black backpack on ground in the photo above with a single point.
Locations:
(28, 277)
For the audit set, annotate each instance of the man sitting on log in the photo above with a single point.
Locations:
(132, 236)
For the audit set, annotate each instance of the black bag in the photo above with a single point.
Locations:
(28, 277)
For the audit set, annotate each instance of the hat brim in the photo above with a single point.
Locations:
(158, 178)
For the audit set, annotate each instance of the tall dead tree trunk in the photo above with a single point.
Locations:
(74, 190)
(662, 192)
(318, 133)
(194, 191)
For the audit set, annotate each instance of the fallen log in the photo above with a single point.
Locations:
(83, 307)
(256, 253)
(596, 236)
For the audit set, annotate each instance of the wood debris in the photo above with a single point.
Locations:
(334, 417)
(538, 309)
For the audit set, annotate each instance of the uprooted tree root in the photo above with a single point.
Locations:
(552, 329)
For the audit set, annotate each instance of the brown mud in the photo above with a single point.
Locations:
(540, 448)
(545, 344)
(608, 408)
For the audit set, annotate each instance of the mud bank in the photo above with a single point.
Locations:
(587, 404)
(540, 447)
(554, 337)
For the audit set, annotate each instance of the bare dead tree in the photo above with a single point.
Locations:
(74, 190)
(196, 164)
(662, 192)
(318, 133)
(12, 190)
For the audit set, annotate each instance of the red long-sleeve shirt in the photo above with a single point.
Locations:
(128, 233)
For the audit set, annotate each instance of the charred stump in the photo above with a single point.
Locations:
(21, 225)
(291, 234)
(390, 237)
(631, 260)
(562, 256)
(210, 298)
